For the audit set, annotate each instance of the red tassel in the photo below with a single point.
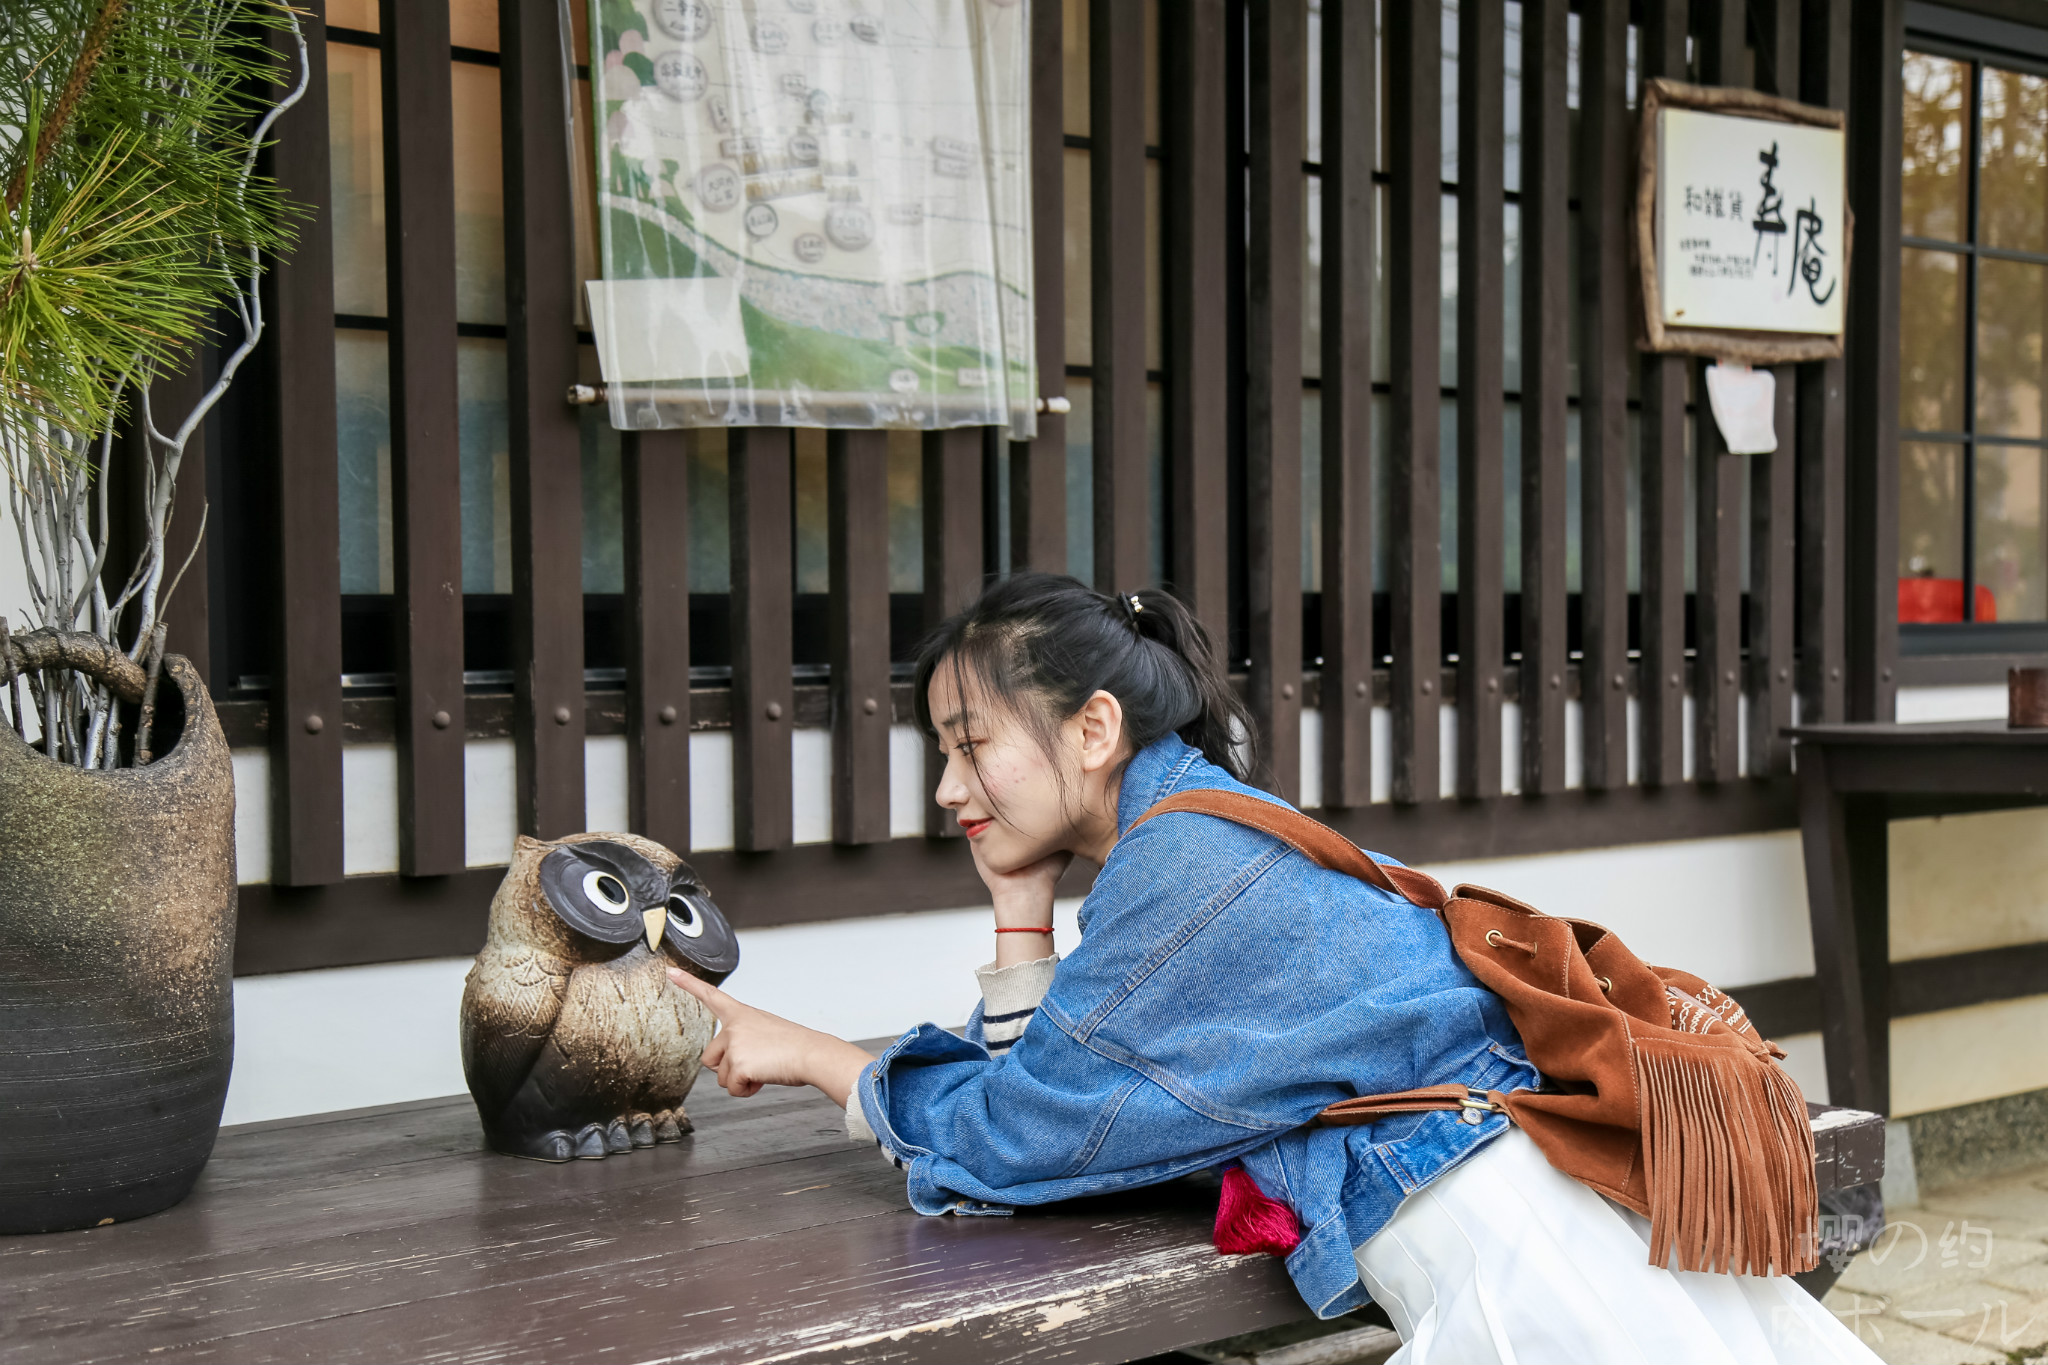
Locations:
(1248, 1222)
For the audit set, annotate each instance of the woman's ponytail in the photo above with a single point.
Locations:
(1044, 643)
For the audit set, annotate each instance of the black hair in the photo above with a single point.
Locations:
(1042, 644)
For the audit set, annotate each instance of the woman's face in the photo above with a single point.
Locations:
(1014, 800)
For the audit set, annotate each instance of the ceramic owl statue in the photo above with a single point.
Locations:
(574, 1041)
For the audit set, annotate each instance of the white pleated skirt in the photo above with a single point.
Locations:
(1508, 1261)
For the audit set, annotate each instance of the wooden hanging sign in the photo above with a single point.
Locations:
(1742, 225)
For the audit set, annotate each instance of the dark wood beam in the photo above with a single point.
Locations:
(1038, 468)
(1116, 177)
(857, 516)
(760, 490)
(654, 469)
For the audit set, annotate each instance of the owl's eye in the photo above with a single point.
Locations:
(684, 916)
(606, 892)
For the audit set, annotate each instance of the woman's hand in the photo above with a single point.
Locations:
(1023, 900)
(754, 1048)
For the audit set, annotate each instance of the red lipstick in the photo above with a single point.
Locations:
(975, 827)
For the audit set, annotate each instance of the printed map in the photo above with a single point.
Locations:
(814, 212)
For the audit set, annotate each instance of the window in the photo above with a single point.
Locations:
(1973, 453)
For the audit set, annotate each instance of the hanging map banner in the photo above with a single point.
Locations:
(814, 213)
(1742, 224)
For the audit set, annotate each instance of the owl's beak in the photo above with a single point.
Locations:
(655, 920)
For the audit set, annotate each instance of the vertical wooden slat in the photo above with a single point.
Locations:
(426, 466)
(1277, 61)
(1772, 549)
(1773, 487)
(1718, 483)
(1545, 240)
(1662, 614)
(1606, 192)
(305, 697)
(545, 446)
(655, 475)
(1350, 113)
(857, 516)
(1116, 177)
(1038, 469)
(952, 564)
(760, 487)
(1872, 346)
(1823, 424)
(1195, 264)
(1481, 74)
(1414, 53)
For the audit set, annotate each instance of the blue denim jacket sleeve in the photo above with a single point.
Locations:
(1225, 989)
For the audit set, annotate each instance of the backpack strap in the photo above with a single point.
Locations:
(1322, 845)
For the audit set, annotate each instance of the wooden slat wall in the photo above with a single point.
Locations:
(952, 564)
(545, 446)
(857, 513)
(1196, 311)
(760, 490)
(1606, 185)
(1663, 598)
(305, 735)
(1481, 493)
(1116, 175)
(426, 450)
(655, 477)
(1350, 118)
(1719, 478)
(1545, 241)
(188, 614)
(1413, 57)
(1871, 483)
(1278, 80)
(1038, 469)
(1823, 424)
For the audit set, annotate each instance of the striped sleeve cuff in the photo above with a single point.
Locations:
(1009, 997)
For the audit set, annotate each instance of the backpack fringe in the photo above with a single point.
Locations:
(1249, 1221)
(1728, 1157)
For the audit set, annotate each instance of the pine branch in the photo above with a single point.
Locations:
(53, 126)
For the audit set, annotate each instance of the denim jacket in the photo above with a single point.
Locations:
(1225, 989)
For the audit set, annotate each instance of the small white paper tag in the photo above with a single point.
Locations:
(1744, 401)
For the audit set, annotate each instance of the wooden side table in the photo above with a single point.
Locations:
(1853, 780)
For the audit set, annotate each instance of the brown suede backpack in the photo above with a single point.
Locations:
(1659, 1092)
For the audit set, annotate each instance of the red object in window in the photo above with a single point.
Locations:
(1938, 601)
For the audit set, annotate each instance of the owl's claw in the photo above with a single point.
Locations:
(670, 1125)
(590, 1142)
(617, 1137)
(556, 1145)
(641, 1127)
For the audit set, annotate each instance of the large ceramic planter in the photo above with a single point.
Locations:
(117, 934)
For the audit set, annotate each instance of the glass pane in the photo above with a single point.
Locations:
(360, 14)
(1930, 531)
(1511, 116)
(362, 374)
(1930, 341)
(813, 571)
(906, 515)
(1382, 363)
(479, 195)
(1312, 88)
(474, 23)
(1081, 480)
(710, 524)
(604, 526)
(1153, 136)
(355, 137)
(1932, 185)
(484, 423)
(2012, 187)
(1447, 305)
(1511, 297)
(1074, 61)
(1447, 97)
(1312, 490)
(2011, 299)
(2009, 550)
(1080, 259)
(1312, 278)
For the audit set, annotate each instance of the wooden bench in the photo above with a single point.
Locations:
(390, 1234)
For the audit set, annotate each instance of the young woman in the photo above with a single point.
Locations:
(1224, 990)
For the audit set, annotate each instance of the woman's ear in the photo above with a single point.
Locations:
(1101, 722)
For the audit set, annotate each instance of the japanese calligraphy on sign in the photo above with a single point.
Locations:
(1747, 251)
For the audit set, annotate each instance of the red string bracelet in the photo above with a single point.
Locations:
(1021, 929)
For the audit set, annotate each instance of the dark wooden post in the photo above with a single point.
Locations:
(426, 449)
(1038, 469)
(759, 484)
(1116, 170)
(1823, 424)
(952, 564)
(655, 474)
(857, 512)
